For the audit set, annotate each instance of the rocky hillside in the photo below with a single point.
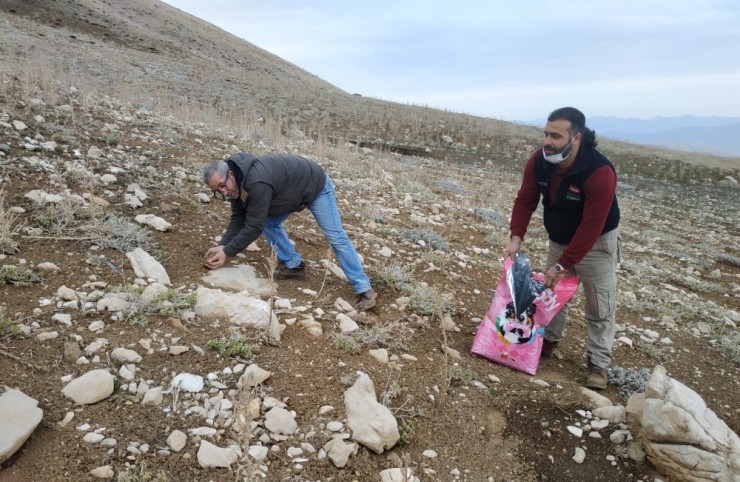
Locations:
(124, 358)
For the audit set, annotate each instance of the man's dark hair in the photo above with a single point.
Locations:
(577, 123)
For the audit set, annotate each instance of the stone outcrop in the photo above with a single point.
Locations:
(682, 437)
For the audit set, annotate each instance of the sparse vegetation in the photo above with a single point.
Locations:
(431, 239)
(142, 475)
(464, 376)
(233, 347)
(406, 429)
(168, 303)
(346, 342)
(426, 300)
(395, 275)
(8, 329)
(9, 228)
(18, 275)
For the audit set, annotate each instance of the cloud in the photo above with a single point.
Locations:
(629, 57)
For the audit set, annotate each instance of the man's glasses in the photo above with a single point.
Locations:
(218, 192)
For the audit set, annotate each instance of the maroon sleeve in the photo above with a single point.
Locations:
(599, 189)
(526, 200)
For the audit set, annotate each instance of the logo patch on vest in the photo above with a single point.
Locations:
(573, 194)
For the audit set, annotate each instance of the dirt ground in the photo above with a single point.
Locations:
(506, 433)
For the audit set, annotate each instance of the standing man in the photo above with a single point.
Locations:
(263, 192)
(577, 185)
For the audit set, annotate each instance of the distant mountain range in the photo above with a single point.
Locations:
(710, 134)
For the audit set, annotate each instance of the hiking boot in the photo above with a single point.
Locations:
(549, 350)
(366, 300)
(299, 272)
(597, 379)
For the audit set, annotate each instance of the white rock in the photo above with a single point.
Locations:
(575, 431)
(108, 179)
(339, 451)
(93, 438)
(615, 414)
(596, 399)
(125, 355)
(96, 326)
(178, 349)
(48, 267)
(372, 424)
(430, 454)
(252, 376)
(19, 417)
(239, 308)
(239, 279)
(579, 456)
(103, 472)
(47, 335)
(334, 426)
(188, 382)
(92, 387)
(380, 354)
(397, 474)
(599, 424)
(258, 452)
(63, 318)
(154, 222)
(177, 440)
(203, 431)
(346, 324)
(280, 421)
(212, 456)
(145, 266)
(153, 397)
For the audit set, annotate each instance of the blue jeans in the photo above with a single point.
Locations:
(324, 209)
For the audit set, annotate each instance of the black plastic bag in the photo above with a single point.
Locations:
(522, 287)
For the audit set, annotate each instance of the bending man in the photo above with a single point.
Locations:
(263, 192)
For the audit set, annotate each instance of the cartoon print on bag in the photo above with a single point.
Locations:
(513, 329)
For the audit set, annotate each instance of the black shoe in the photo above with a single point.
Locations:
(549, 350)
(299, 272)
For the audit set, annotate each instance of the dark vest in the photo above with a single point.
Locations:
(563, 216)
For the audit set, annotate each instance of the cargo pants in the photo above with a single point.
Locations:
(597, 272)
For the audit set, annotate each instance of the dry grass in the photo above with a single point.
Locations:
(9, 228)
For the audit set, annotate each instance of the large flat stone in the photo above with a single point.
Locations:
(19, 417)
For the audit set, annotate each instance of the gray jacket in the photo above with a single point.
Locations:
(274, 184)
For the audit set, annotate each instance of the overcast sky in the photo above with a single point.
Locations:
(513, 60)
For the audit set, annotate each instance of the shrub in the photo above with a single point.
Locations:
(406, 429)
(9, 227)
(465, 376)
(491, 216)
(8, 329)
(345, 342)
(395, 275)
(17, 275)
(169, 303)
(233, 347)
(430, 238)
(426, 300)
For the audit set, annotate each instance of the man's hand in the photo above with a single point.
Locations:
(513, 247)
(552, 277)
(215, 257)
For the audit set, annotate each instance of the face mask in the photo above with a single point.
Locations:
(559, 157)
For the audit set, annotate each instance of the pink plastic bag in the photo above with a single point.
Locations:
(516, 341)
